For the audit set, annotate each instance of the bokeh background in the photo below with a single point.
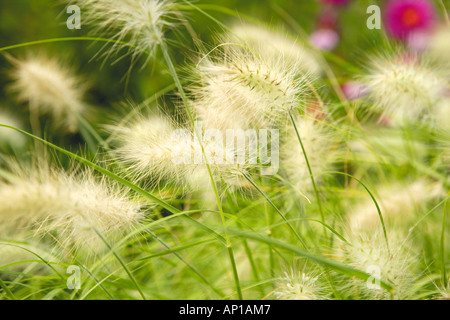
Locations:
(26, 20)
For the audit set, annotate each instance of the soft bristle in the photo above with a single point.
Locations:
(299, 286)
(153, 150)
(319, 145)
(404, 87)
(140, 23)
(50, 88)
(239, 89)
(272, 44)
(369, 253)
(398, 203)
(75, 206)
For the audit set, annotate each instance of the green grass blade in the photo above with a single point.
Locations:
(341, 268)
(443, 270)
(6, 289)
(124, 182)
(373, 199)
(276, 209)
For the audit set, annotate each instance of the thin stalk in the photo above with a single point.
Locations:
(202, 277)
(177, 81)
(7, 291)
(63, 39)
(269, 222)
(443, 268)
(248, 252)
(383, 226)
(444, 9)
(316, 192)
(276, 209)
(122, 263)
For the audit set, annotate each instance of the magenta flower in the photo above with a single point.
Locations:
(336, 2)
(404, 17)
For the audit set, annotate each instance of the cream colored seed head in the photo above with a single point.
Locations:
(242, 90)
(140, 23)
(405, 88)
(74, 207)
(319, 145)
(154, 150)
(272, 44)
(50, 88)
(398, 204)
(396, 266)
(299, 286)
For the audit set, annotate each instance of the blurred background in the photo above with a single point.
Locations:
(23, 21)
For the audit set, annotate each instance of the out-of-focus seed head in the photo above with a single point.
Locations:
(73, 207)
(404, 87)
(50, 87)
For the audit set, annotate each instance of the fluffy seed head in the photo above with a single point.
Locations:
(154, 150)
(242, 90)
(319, 145)
(369, 253)
(75, 206)
(146, 149)
(398, 203)
(404, 87)
(439, 46)
(50, 88)
(299, 286)
(140, 23)
(272, 44)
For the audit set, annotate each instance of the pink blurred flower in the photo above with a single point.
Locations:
(354, 90)
(324, 39)
(418, 41)
(403, 17)
(336, 2)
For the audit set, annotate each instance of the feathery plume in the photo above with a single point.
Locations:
(439, 47)
(441, 114)
(299, 286)
(153, 149)
(319, 145)
(76, 206)
(147, 149)
(398, 203)
(272, 44)
(242, 90)
(50, 88)
(369, 253)
(404, 87)
(139, 23)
